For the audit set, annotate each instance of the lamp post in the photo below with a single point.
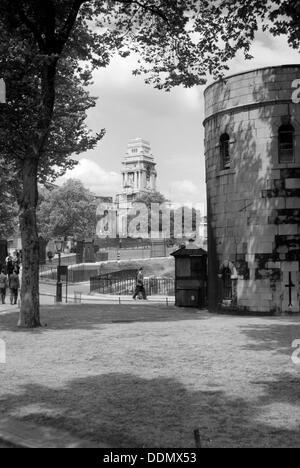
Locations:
(58, 246)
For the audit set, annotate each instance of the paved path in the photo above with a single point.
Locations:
(7, 308)
(26, 435)
(47, 291)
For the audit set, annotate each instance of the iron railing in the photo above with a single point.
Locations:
(75, 275)
(116, 280)
(68, 260)
(106, 284)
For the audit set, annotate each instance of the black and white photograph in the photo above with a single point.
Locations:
(149, 227)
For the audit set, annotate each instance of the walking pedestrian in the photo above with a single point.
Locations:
(140, 289)
(14, 285)
(16, 261)
(3, 286)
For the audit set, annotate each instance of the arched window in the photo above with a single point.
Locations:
(286, 143)
(229, 276)
(224, 151)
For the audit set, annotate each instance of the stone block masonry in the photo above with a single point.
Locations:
(253, 191)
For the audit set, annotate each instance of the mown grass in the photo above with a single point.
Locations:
(139, 376)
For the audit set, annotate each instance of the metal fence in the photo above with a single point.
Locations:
(75, 275)
(68, 260)
(114, 281)
(108, 284)
(160, 286)
(48, 272)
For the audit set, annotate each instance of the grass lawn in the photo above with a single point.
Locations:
(147, 376)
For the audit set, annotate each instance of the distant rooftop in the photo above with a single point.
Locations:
(186, 252)
(138, 147)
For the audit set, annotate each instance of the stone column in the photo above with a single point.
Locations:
(137, 179)
(153, 181)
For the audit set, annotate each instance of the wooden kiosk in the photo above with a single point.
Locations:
(190, 277)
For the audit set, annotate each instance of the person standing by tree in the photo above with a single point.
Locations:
(3, 286)
(9, 265)
(16, 261)
(14, 285)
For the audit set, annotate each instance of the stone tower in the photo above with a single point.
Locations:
(138, 172)
(252, 155)
(138, 176)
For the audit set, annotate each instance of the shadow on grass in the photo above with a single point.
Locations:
(87, 317)
(276, 337)
(124, 410)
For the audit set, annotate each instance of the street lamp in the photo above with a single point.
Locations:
(58, 246)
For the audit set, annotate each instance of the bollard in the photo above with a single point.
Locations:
(59, 291)
(197, 438)
(119, 299)
(77, 297)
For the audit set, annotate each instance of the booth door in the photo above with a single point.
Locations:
(187, 298)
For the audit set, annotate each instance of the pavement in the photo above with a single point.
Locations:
(8, 308)
(17, 434)
(79, 293)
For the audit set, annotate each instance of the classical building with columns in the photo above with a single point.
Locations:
(252, 155)
(138, 176)
(138, 172)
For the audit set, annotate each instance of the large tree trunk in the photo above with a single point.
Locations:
(51, 45)
(29, 313)
(30, 310)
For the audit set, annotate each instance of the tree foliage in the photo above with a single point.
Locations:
(69, 210)
(230, 25)
(21, 119)
(150, 197)
(8, 206)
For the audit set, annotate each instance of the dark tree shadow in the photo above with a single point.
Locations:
(276, 337)
(124, 410)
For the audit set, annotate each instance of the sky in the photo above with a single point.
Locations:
(172, 122)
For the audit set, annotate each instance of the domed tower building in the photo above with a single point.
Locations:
(138, 172)
(252, 155)
(139, 176)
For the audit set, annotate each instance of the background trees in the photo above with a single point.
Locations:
(69, 210)
(147, 199)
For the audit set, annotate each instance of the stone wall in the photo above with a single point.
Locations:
(254, 205)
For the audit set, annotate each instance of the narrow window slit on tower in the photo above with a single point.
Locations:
(224, 151)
